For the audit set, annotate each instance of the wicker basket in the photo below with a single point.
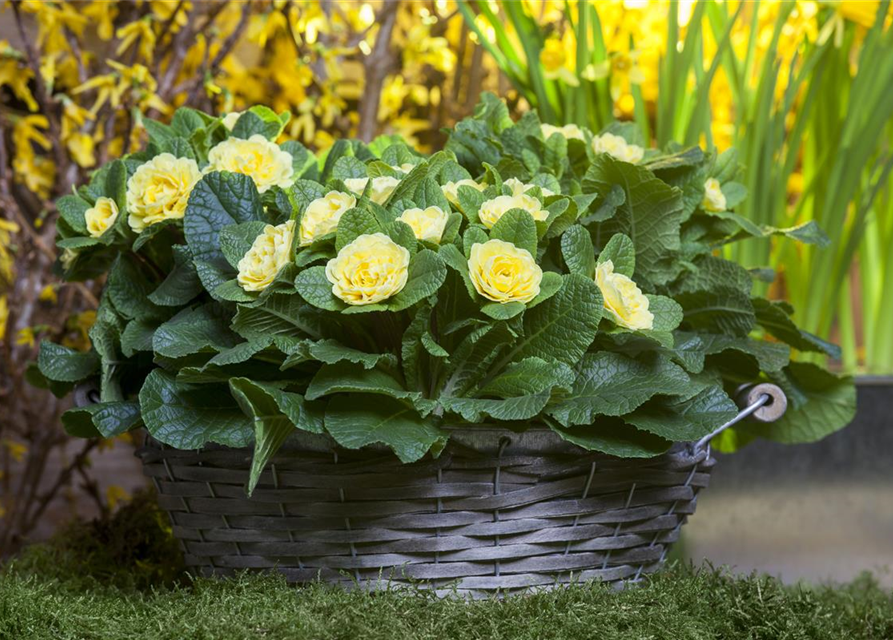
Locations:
(529, 511)
(496, 511)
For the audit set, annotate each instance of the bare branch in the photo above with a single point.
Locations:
(378, 64)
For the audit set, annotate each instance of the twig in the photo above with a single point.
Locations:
(378, 64)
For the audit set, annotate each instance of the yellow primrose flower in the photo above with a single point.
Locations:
(159, 190)
(451, 189)
(269, 252)
(714, 200)
(518, 188)
(503, 273)
(493, 210)
(263, 161)
(569, 131)
(406, 167)
(101, 216)
(382, 187)
(322, 215)
(623, 299)
(370, 269)
(617, 147)
(426, 224)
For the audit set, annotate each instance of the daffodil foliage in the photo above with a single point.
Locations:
(568, 281)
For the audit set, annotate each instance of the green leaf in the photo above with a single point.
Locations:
(62, 364)
(722, 310)
(236, 240)
(561, 328)
(578, 252)
(260, 120)
(182, 284)
(685, 420)
(279, 315)
(517, 227)
(474, 410)
(129, 289)
(651, 214)
(193, 331)
(529, 377)
(315, 288)
(769, 356)
(187, 416)
(346, 377)
(667, 312)
(332, 352)
(613, 384)
(104, 419)
(773, 318)
(355, 421)
(353, 224)
(137, 336)
(503, 310)
(72, 209)
(429, 194)
(239, 353)
(614, 437)
(218, 200)
(159, 133)
(275, 414)
(186, 121)
(347, 167)
(427, 273)
(621, 252)
(819, 403)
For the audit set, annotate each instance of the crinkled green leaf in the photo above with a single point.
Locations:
(187, 416)
(357, 420)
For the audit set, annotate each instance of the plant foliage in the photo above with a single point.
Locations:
(202, 359)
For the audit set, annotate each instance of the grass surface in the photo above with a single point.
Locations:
(112, 580)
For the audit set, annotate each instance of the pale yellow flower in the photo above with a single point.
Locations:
(370, 269)
(159, 190)
(322, 215)
(382, 187)
(493, 210)
(262, 160)
(518, 188)
(569, 131)
(426, 224)
(406, 167)
(617, 147)
(623, 299)
(451, 189)
(714, 199)
(502, 272)
(101, 216)
(230, 119)
(269, 252)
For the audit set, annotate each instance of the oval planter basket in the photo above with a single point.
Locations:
(496, 511)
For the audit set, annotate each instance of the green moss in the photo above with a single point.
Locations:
(109, 580)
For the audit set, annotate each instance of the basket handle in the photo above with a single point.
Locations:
(761, 402)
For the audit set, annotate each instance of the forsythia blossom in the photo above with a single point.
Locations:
(101, 216)
(159, 190)
(714, 200)
(263, 161)
(426, 224)
(370, 269)
(269, 252)
(322, 215)
(493, 210)
(617, 147)
(502, 272)
(623, 299)
(382, 187)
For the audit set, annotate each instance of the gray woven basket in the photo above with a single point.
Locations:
(496, 511)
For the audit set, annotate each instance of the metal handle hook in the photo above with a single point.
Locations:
(763, 402)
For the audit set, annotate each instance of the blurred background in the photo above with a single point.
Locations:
(801, 88)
